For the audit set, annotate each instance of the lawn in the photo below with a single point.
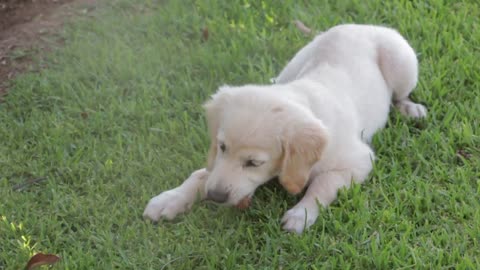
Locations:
(114, 117)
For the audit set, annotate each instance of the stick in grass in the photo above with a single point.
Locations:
(302, 27)
(28, 183)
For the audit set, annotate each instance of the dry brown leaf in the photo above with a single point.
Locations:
(41, 259)
(205, 34)
(463, 153)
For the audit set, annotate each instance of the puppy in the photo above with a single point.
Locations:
(311, 128)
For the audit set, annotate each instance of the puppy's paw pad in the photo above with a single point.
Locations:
(167, 205)
(298, 219)
(411, 109)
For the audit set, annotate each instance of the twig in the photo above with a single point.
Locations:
(28, 182)
(179, 258)
(302, 27)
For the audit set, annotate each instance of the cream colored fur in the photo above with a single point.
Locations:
(311, 128)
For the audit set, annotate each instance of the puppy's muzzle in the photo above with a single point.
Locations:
(217, 196)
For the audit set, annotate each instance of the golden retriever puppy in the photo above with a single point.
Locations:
(311, 128)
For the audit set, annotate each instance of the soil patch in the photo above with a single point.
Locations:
(25, 26)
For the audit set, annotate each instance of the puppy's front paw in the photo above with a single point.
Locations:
(298, 219)
(167, 205)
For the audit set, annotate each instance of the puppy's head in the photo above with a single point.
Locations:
(257, 135)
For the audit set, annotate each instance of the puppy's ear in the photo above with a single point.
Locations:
(302, 148)
(213, 109)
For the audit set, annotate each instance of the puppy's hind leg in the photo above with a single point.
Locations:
(399, 66)
(410, 108)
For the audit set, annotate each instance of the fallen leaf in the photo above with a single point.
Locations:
(463, 153)
(41, 259)
(205, 34)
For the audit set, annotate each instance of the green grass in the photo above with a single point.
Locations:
(116, 118)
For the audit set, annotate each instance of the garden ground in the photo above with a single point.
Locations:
(113, 117)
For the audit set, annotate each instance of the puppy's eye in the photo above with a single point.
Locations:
(253, 163)
(223, 147)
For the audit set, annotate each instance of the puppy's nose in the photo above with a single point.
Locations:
(217, 196)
